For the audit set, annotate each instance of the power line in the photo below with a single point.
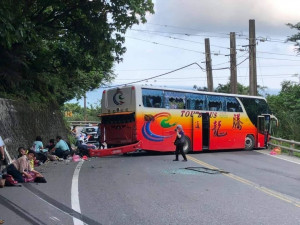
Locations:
(260, 38)
(165, 45)
(295, 60)
(158, 75)
(273, 53)
(136, 70)
(218, 46)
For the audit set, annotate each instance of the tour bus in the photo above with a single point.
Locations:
(211, 121)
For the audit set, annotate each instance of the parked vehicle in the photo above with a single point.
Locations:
(91, 134)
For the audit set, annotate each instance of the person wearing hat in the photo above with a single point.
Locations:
(179, 142)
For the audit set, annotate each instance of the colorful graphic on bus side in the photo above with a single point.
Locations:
(164, 123)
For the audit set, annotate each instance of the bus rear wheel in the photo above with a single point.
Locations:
(187, 145)
(249, 142)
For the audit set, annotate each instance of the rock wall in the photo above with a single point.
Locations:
(20, 124)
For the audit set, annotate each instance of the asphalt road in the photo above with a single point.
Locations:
(238, 187)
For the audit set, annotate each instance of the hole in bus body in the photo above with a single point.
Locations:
(119, 129)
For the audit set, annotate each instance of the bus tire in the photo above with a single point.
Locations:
(249, 142)
(187, 145)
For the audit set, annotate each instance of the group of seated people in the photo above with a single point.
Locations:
(61, 149)
(22, 169)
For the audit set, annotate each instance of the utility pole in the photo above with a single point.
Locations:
(210, 86)
(252, 59)
(233, 75)
(84, 106)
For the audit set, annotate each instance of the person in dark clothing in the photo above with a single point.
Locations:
(179, 142)
(51, 144)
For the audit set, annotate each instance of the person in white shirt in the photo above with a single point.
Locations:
(2, 154)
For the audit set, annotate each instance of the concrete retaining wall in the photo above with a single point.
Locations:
(20, 124)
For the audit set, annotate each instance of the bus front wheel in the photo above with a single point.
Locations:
(187, 145)
(249, 142)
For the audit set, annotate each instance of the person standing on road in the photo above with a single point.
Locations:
(74, 131)
(179, 142)
(61, 148)
(100, 136)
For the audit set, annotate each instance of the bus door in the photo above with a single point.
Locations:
(205, 130)
(197, 132)
(263, 126)
(200, 132)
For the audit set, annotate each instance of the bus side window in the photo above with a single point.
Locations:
(174, 100)
(232, 105)
(195, 101)
(157, 102)
(152, 98)
(199, 105)
(148, 102)
(215, 106)
(215, 102)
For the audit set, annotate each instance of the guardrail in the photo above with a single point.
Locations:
(84, 123)
(291, 149)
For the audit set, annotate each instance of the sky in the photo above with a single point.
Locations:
(174, 38)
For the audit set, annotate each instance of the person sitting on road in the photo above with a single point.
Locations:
(50, 145)
(22, 151)
(61, 148)
(80, 138)
(2, 154)
(21, 169)
(50, 154)
(38, 147)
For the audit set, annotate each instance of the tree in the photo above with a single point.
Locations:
(286, 107)
(295, 37)
(78, 113)
(225, 88)
(53, 51)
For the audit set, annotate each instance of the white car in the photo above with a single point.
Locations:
(90, 132)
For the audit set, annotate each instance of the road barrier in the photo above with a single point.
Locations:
(291, 148)
(84, 123)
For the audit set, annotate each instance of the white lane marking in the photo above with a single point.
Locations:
(278, 157)
(54, 218)
(75, 194)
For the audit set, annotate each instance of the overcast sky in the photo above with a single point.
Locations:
(174, 38)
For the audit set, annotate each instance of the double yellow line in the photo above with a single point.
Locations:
(268, 191)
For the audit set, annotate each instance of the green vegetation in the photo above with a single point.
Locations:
(225, 88)
(79, 114)
(286, 107)
(54, 51)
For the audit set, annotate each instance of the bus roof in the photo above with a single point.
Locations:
(193, 91)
